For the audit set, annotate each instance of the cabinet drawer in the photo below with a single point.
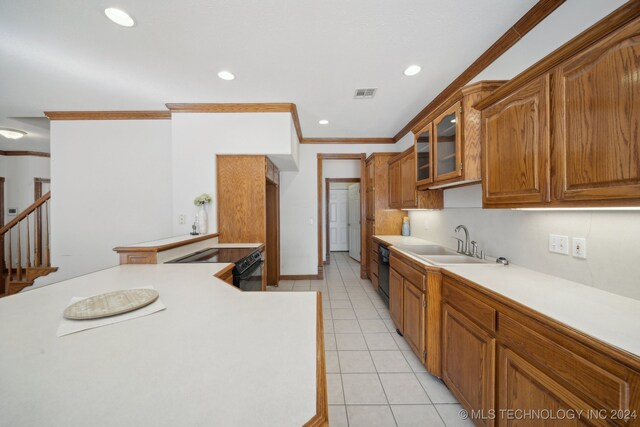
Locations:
(578, 373)
(416, 277)
(481, 313)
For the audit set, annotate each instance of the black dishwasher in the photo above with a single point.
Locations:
(383, 273)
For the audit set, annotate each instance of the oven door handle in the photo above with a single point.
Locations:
(246, 274)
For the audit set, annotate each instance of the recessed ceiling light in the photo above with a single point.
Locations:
(226, 75)
(412, 70)
(323, 122)
(12, 133)
(120, 17)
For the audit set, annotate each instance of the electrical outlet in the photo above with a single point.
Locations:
(579, 245)
(559, 244)
(182, 218)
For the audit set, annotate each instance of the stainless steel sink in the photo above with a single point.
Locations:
(419, 250)
(439, 255)
(454, 259)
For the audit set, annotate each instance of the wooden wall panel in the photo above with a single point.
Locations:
(387, 221)
(241, 199)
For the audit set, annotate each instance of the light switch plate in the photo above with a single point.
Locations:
(559, 244)
(579, 247)
(182, 218)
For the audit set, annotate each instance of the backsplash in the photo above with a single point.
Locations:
(613, 239)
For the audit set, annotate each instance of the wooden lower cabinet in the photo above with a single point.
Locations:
(510, 366)
(414, 304)
(413, 318)
(523, 388)
(396, 299)
(468, 354)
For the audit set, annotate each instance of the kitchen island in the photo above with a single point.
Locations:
(215, 356)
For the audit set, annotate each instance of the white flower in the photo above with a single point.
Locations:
(202, 199)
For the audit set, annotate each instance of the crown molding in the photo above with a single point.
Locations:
(269, 107)
(528, 21)
(347, 141)
(108, 115)
(24, 153)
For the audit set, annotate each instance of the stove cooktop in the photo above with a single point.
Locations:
(213, 255)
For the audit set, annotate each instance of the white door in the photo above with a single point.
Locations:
(354, 221)
(338, 220)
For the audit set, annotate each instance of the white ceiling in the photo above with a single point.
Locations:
(66, 55)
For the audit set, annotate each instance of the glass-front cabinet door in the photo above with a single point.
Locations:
(447, 147)
(424, 157)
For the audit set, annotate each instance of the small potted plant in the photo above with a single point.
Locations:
(201, 216)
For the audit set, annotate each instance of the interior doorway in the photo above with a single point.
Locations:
(323, 230)
(342, 222)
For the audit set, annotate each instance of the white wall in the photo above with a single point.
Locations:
(110, 186)
(332, 168)
(198, 137)
(613, 245)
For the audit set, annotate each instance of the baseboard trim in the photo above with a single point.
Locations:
(300, 277)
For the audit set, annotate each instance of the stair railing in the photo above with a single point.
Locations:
(37, 244)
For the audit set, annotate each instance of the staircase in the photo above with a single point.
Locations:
(24, 248)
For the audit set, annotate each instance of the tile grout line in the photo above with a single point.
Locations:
(376, 369)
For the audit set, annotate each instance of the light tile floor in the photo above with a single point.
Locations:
(373, 377)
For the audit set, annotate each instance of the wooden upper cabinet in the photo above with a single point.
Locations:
(515, 148)
(395, 186)
(447, 141)
(447, 144)
(408, 176)
(566, 131)
(424, 155)
(402, 185)
(596, 145)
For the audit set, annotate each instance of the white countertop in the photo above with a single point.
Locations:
(168, 241)
(215, 356)
(609, 317)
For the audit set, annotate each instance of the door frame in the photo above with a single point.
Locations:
(37, 187)
(363, 183)
(327, 184)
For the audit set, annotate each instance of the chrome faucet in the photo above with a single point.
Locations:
(465, 248)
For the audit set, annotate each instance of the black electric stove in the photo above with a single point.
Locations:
(213, 255)
(247, 273)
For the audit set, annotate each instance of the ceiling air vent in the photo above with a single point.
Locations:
(366, 93)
